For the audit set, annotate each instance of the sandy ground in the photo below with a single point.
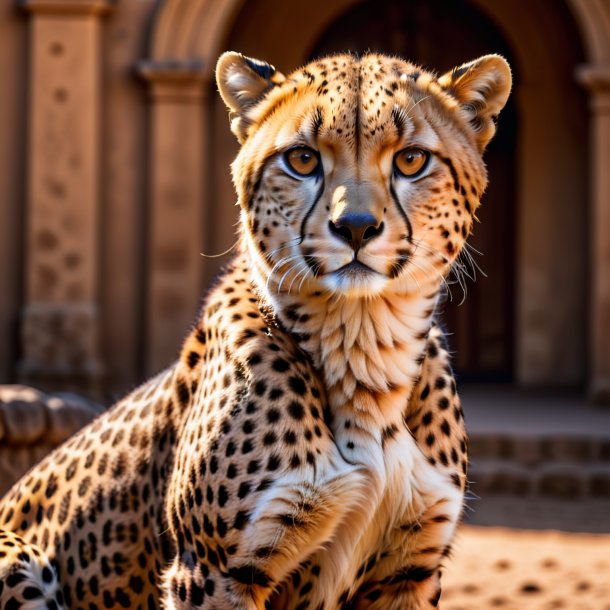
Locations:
(513, 569)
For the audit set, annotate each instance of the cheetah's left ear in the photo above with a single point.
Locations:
(242, 82)
(481, 87)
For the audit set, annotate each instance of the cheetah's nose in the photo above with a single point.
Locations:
(356, 228)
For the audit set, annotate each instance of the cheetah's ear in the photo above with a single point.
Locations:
(242, 82)
(481, 87)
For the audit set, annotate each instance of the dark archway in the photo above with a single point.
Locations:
(441, 35)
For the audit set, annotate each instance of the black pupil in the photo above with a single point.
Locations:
(305, 158)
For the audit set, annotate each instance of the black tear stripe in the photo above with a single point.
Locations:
(311, 209)
(403, 213)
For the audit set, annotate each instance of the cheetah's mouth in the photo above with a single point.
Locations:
(355, 270)
(354, 279)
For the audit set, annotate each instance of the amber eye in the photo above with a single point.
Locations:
(411, 161)
(302, 160)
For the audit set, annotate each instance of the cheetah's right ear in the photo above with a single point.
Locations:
(242, 82)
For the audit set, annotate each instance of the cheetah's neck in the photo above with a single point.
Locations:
(369, 350)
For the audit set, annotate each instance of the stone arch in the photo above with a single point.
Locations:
(188, 29)
(188, 35)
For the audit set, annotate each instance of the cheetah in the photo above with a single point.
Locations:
(307, 450)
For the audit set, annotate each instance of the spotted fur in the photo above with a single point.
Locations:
(307, 450)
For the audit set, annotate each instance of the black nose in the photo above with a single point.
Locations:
(356, 228)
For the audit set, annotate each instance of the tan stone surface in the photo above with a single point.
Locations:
(23, 415)
(15, 461)
(176, 214)
(527, 570)
(95, 192)
(29, 417)
(13, 71)
(32, 423)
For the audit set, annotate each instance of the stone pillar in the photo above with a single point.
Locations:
(597, 80)
(59, 339)
(176, 205)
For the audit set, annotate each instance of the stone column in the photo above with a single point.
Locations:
(176, 205)
(597, 80)
(59, 339)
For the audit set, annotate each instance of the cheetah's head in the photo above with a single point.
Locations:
(359, 176)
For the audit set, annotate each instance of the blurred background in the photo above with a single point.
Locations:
(115, 153)
(115, 149)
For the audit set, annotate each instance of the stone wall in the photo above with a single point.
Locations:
(33, 423)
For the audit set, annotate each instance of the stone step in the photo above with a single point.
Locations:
(532, 450)
(559, 479)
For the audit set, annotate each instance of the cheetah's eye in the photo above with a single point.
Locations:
(304, 161)
(411, 162)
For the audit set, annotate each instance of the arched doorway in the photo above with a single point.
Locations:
(441, 35)
(546, 165)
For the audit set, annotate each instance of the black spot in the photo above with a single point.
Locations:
(221, 526)
(280, 365)
(255, 359)
(290, 437)
(269, 439)
(47, 575)
(250, 575)
(196, 594)
(412, 573)
(374, 595)
(12, 580)
(31, 593)
(51, 486)
(297, 385)
(193, 359)
(274, 462)
(242, 518)
(183, 392)
(275, 393)
(273, 415)
(296, 410)
(247, 446)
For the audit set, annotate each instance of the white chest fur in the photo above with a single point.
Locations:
(400, 486)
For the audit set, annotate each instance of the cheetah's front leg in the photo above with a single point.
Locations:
(240, 565)
(408, 577)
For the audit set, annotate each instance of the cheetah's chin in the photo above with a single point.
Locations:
(355, 283)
